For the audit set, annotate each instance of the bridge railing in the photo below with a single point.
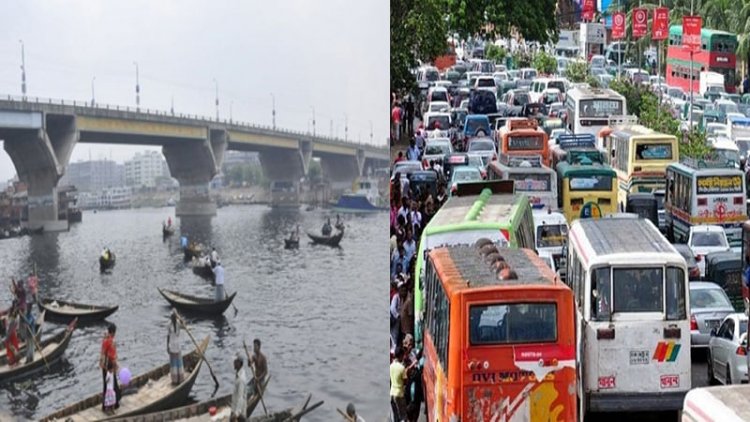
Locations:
(154, 112)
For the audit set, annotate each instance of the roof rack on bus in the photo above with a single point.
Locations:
(522, 124)
(707, 163)
(521, 160)
(622, 120)
(581, 140)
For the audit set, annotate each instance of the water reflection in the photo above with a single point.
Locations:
(199, 229)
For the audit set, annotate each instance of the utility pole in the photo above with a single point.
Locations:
(231, 103)
(171, 108)
(346, 127)
(370, 131)
(313, 120)
(137, 88)
(93, 96)
(23, 70)
(216, 83)
(273, 111)
(331, 128)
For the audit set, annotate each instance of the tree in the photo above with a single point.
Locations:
(534, 20)
(577, 71)
(495, 53)
(544, 63)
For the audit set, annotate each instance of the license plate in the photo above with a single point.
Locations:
(639, 357)
(670, 381)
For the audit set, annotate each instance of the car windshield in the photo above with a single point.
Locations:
(521, 99)
(728, 108)
(438, 122)
(481, 146)
(709, 239)
(432, 75)
(466, 175)
(709, 298)
(675, 93)
(437, 149)
(486, 82)
(727, 156)
(472, 125)
(439, 96)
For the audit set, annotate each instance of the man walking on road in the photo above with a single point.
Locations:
(396, 123)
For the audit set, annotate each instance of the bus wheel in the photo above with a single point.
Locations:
(710, 369)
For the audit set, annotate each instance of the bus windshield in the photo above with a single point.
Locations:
(652, 151)
(526, 142)
(513, 323)
(551, 235)
(594, 182)
(601, 108)
(530, 182)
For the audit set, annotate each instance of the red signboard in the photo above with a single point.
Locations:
(691, 32)
(640, 22)
(660, 26)
(588, 9)
(618, 25)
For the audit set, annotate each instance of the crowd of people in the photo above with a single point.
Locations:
(20, 321)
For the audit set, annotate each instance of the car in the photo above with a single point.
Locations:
(485, 82)
(735, 98)
(464, 174)
(716, 129)
(596, 71)
(405, 168)
(694, 273)
(458, 115)
(727, 351)
(550, 96)
(483, 147)
(598, 61)
(475, 125)
(705, 239)
(516, 97)
(437, 125)
(675, 93)
(482, 102)
(724, 107)
(438, 106)
(435, 149)
(709, 305)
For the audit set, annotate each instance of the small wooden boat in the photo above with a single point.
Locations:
(191, 252)
(198, 411)
(195, 304)
(291, 243)
(62, 311)
(167, 231)
(204, 271)
(152, 392)
(292, 414)
(107, 264)
(52, 348)
(326, 240)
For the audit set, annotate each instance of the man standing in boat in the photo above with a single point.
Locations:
(239, 394)
(219, 281)
(214, 257)
(326, 230)
(109, 354)
(260, 366)
(173, 349)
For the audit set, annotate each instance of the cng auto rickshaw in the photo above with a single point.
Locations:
(725, 269)
(645, 205)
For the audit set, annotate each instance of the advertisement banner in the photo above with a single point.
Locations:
(640, 22)
(660, 26)
(691, 32)
(618, 25)
(588, 9)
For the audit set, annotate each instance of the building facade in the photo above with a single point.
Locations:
(93, 176)
(145, 169)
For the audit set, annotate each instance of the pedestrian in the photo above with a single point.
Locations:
(746, 85)
(398, 377)
(396, 122)
(399, 157)
(176, 370)
(110, 396)
(239, 394)
(219, 281)
(108, 359)
(413, 153)
(260, 366)
(396, 314)
(409, 106)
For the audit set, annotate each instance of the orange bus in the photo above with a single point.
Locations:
(522, 136)
(497, 350)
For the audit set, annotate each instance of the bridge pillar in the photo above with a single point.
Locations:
(193, 164)
(40, 147)
(285, 164)
(341, 171)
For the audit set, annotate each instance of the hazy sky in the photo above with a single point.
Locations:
(330, 54)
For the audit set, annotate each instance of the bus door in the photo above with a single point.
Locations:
(637, 335)
(519, 356)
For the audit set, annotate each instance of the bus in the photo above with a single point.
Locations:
(705, 192)
(495, 212)
(717, 54)
(633, 325)
(531, 177)
(573, 148)
(588, 109)
(497, 349)
(586, 190)
(640, 157)
(524, 137)
(551, 230)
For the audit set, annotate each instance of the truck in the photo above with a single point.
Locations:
(711, 82)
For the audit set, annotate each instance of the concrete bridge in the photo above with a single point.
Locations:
(39, 135)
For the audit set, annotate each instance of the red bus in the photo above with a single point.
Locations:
(716, 55)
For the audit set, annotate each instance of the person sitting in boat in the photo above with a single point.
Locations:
(219, 281)
(106, 254)
(214, 257)
(169, 221)
(294, 235)
(239, 394)
(260, 367)
(11, 336)
(173, 350)
(339, 223)
(326, 231)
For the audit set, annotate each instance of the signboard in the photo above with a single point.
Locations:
(618, 26)
(588, 9)
(707, 185)
(516, 143)
(660, 27)
(691, 32)
(640, 22)
(595, 33)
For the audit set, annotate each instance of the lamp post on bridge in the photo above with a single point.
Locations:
(273, 111)
(313, 120)
(137, 88)
(346, 127)
(23, 70)
(231, 103)
(370, 131)
(93, 95)
(216, 83)
(171, 108)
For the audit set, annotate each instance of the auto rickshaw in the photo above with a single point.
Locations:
(423, 181)
(645, 205)
(725, 269)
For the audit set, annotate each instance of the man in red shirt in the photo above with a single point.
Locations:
(396, 121)
(109, 354)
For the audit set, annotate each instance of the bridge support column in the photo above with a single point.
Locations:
(194, 164)
(40, 148)
(340, 170)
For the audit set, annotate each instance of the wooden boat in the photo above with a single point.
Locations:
(52, 348)
(198, 411)
(326, 240)
(291, 243)
(167, 231)
(195, 251)
(204, 271)
(195, 304)
(21, 344)
(153, 392)
(291, 414)
(106, 264)
(62, 311)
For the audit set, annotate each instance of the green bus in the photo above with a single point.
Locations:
(478, 210)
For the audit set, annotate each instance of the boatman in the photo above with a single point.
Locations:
(214, 257)
(239, 394)
(105, 254)
(326, 230)
(219, 275)
(173, 349)
(260, 367)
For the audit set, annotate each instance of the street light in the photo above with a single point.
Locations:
(23, 71)
(137, 88)
(370, 131)
(346, 127)
(216, 83)
(171, 108)
(313, 121)
(93, 95)
(231, 103)
(273, 111)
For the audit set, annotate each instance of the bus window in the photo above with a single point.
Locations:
(638, 289)
(652, 151)
(675, 294)
(551, 235)
(600, 294)
(513, 323)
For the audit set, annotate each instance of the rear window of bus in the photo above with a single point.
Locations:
(511, 323)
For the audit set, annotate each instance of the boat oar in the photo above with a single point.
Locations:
(35, 343)
(257, 382)
(347, 417)
(198, 348)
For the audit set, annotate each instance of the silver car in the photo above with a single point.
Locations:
(709, 305)
(483, 147)
(727, 351)
(436, 148)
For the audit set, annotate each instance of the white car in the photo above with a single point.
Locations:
(716, 129)
(483, 147)
(437, 124)
(436, 149)
(705, 239)
(485, 82)
(727, 351)
(438, 106)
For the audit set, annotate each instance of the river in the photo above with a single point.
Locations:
(317, 310)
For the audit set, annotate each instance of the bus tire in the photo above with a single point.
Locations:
(710, 369)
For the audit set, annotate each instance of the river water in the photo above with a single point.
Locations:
(317, 310)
